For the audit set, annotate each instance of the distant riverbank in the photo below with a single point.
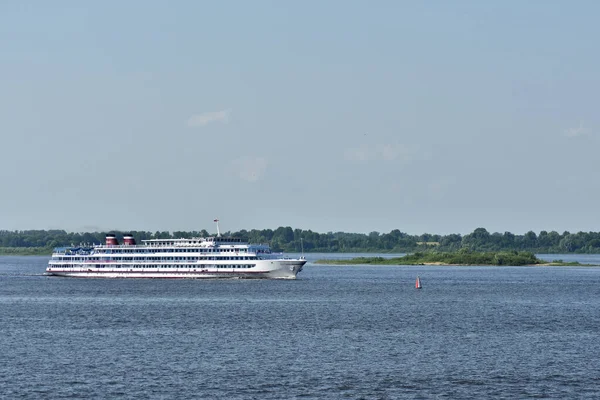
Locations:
(459, 258)
(25, 251)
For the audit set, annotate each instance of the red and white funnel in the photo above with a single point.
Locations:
(128, 240)
(111, 240)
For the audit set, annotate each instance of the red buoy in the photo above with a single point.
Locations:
(418, 283)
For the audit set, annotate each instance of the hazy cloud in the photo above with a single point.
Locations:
(208, 117)
(250, 169)
(577, 131)
(439, 186)
(91, 228)
(362, 153)
(381, 152)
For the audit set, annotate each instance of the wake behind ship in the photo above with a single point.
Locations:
(211, 257)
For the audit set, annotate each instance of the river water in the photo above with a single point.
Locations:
(357, 332)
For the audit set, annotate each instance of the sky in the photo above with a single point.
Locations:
(355, 116)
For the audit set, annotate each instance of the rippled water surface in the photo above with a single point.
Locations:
(336, 332)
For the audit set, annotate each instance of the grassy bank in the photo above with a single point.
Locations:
(561, 263)
(462, 257)
(25, 251)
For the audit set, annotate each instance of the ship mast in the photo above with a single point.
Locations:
(218, 232)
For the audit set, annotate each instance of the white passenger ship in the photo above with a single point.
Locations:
(211, 257)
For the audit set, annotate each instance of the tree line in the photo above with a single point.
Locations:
(293, 240)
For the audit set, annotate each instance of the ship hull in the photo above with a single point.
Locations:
(265, 269)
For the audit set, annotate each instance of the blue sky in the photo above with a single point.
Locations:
(355, 116)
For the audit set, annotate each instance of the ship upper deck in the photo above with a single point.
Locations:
(202, 242)
(209, 244)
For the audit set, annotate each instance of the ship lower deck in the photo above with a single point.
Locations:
(168, 275)
(287, 269)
